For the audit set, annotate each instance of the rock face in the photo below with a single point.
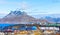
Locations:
(18, 17)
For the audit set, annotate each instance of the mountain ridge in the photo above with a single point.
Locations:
(52, 19)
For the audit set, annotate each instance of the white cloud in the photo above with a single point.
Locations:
(23, 5)
(2, 14)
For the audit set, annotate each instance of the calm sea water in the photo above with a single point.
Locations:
(3, 25)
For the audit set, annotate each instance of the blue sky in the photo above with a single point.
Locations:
(34, 8)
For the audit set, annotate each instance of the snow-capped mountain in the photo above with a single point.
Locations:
(19, 17)
(15, 13)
